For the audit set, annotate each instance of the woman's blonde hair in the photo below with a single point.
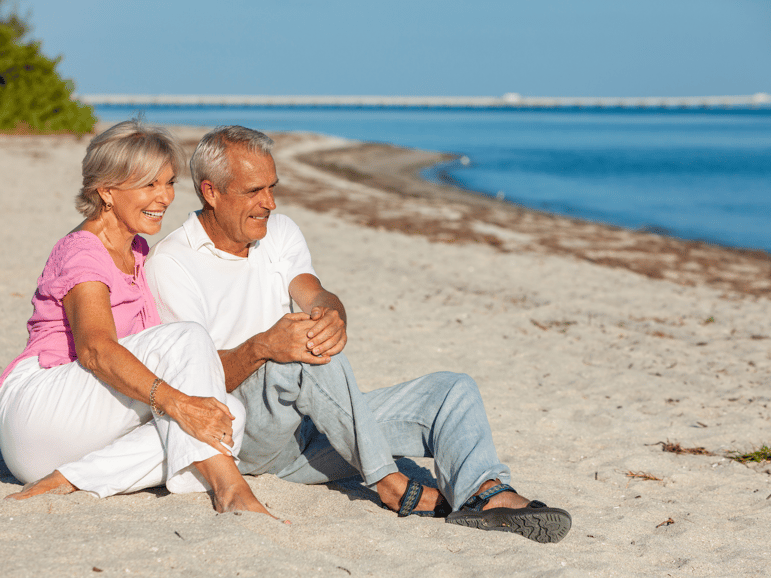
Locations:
(127, 155)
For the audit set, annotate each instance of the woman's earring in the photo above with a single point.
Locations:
(107, 206)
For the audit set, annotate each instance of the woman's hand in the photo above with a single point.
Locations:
(204, 418)
(90, 315)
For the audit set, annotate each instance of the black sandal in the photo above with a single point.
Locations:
(411, 498)
(535, 521)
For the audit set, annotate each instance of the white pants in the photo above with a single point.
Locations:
(102, 441)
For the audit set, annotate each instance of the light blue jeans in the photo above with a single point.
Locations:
(311, 424)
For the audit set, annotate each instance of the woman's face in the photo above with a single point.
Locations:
(141, 210)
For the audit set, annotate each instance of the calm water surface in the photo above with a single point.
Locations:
(695, 174)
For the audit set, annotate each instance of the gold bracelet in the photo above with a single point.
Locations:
(154, 406)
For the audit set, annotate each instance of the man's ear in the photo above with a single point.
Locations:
(209, 193)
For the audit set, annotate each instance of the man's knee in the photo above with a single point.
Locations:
(458, 383)
(336, 375)
(338, 364)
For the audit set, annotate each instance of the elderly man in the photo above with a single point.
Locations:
(234, 267)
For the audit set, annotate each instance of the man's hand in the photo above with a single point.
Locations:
(327, 337)
(287, 340)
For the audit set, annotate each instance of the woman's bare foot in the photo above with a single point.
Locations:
(392, 488)
(54, 483)
(504, 499)
(238, 497)
(231, 492)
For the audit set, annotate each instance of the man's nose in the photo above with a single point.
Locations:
(268, 201)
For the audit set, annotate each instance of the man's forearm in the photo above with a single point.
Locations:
(240, 362)
(285, 342)
(329, 301)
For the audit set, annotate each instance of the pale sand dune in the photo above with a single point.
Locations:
(583, 369)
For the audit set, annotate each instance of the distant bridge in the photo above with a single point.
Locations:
(510, 100)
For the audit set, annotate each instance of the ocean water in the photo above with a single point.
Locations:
(695, 174)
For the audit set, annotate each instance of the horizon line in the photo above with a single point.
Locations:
(508, 100)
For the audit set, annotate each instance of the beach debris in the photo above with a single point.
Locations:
(563, 325)
(179, 535)
(760, 455)
(642, 476)
(708, 320)
(95, 569)
(676, 448)
(661, 335)
(667, 522)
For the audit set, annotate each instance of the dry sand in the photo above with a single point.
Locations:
(590, 345)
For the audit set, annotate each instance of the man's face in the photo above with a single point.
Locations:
(241, 212)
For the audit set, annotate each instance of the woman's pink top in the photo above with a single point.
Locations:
(77, 258)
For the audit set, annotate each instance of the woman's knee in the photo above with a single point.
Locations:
(183, 338)
(238, 410)
(189, 332)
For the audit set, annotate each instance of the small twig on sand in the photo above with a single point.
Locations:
(667, 522)
(676, 448)
(642, 476)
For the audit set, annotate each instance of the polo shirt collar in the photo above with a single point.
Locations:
(200, 241)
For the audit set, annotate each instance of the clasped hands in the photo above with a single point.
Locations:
(313, 338)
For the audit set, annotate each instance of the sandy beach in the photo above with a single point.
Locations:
(593, 348)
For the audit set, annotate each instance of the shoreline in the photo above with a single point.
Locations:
(513, 228)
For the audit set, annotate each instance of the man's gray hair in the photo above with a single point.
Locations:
(210, 161)
(128, 155)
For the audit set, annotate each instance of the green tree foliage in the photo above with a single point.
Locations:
(33, 97)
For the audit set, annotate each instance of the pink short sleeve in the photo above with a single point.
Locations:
(80, 257)
(77, 258)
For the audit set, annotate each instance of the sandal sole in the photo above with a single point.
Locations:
(544, 525)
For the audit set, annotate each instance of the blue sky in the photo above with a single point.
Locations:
(409, 47)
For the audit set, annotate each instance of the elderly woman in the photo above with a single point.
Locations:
(104, 396)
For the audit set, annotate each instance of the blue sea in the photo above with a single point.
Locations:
(702, 174)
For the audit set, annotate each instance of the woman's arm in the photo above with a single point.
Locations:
(89, 314)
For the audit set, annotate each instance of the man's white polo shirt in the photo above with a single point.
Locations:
(233, 297)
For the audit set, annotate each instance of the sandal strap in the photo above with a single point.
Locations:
(476, 503)
(410, 499)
